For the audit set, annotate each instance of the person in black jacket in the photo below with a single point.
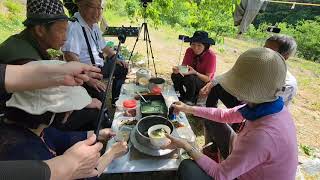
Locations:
(25, 77)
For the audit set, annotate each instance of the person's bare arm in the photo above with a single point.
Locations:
(117, 150)
(70, 56)
(36, 76)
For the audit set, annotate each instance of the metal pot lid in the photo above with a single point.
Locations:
(147, 150)
(143, 71)
(156, 80)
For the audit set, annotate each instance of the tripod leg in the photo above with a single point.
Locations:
(146, 39)
(149, 41)
(135, 44)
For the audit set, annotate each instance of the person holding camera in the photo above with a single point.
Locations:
(201, 64)
(85, 44)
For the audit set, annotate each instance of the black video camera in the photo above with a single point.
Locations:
(184, 38)
(127, 31)
(146, 1)
(273, 29)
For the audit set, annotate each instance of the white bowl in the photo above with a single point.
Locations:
(183, 69)
(158, 141)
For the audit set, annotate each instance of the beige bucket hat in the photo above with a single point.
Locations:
(56, 99)
(257, 76)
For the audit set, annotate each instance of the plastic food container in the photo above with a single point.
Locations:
(123, 134)
(130, 108)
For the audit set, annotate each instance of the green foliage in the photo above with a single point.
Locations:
(276, 13)
(13, 7)
(306, 33)
(125, 52)
(55, 54)
(309, 151)
(216, 17)
(11, 22)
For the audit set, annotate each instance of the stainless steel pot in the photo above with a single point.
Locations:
(144, 124)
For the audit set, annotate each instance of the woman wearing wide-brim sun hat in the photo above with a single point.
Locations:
(27, 132)
(198, 67)
(266, 148)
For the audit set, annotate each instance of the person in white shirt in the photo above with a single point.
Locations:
(86, 44)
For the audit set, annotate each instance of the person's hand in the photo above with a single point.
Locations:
(76, 73)
(206, 89)
(94, 75)
(84, 157)
(122, 63)
(175, 70)
(174, 142)
(97, 85)
(106, 134)
(95, 104)
(180, 106)
(190, 72)
(118, 149)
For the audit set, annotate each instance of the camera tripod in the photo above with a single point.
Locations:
(146, 38)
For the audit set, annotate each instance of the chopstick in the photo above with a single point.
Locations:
(142, 97)
(207, 145)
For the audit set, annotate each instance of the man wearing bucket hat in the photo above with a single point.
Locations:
(46, 26)
(266, 148)
(201, 64)
(29, 113)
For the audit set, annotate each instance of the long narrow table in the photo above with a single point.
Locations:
(135, 161)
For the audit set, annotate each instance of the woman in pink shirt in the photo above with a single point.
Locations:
(201, 63)
(266, 148)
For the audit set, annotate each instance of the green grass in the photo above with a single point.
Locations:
(11, 17)
(306, 65)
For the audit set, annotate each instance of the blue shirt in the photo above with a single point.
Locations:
(18, 143)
